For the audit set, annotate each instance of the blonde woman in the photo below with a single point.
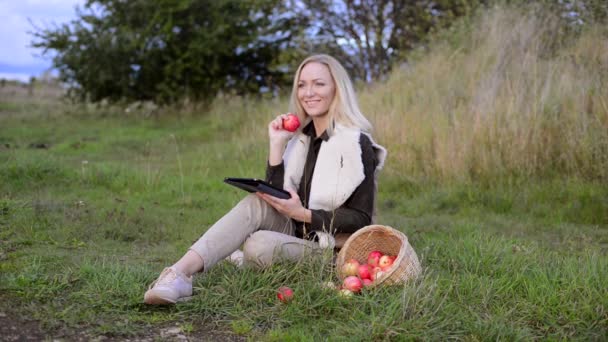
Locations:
(329, 167)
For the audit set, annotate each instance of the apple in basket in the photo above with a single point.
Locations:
(350, 268)
(386, 261)
(373, 258)
(365, 272)
(377, 273)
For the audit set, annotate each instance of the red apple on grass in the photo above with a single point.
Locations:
(352, 283)
(291, 122)
(285, 294)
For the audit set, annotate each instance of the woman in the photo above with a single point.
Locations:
(329, 167)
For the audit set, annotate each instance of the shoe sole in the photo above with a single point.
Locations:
(156, 300)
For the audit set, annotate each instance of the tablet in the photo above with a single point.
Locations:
(257, 185)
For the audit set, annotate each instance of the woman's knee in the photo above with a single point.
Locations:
(251, 200)
(260, 248)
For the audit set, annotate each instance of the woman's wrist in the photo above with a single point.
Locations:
(305, 216)
(278, 144)
(275, 155)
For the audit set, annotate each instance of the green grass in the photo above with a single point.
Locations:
(88, 223)
(496, 173)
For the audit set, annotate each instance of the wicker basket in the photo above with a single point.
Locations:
(388, 241)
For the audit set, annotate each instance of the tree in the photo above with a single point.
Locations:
(166, 50)
(579, 12)
(376, 33)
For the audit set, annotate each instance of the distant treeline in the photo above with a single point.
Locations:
(169, 50)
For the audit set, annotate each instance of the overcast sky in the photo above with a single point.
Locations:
(17, 60)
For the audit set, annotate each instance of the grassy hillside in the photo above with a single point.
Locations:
(497, 142)
(504, 97)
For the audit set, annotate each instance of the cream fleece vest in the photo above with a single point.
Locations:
(339, 168)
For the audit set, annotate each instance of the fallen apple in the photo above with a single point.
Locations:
(291, 122)
(352, 284)
(285, 294)
(373, 258)
(350, 268)
(345, 293)
(329, 285)
(367, 282)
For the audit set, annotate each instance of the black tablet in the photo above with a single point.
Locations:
(257, 185)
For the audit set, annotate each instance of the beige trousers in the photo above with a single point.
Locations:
(266, 236)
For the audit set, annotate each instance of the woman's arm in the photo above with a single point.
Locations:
(275, 154)
(278, 138)
(275, 174)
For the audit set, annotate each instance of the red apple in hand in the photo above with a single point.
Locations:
(285, 294)
(291, 122)
(373, 258)
(350, 268)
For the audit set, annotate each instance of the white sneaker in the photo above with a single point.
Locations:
(236, 258)
(171, 286)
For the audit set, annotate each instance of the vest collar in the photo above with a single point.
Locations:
(312, 133)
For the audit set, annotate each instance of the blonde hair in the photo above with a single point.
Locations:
(344, 108)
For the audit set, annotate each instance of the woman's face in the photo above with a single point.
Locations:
(316, 89)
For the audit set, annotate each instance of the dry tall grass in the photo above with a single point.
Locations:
(509, 100)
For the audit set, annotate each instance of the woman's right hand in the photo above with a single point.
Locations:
(276, 133)
(278, 139)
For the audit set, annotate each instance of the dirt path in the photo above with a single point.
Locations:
(13, 328)
(16, 328)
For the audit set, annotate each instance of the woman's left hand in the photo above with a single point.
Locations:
(290, 207)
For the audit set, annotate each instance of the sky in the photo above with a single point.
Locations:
(18, 60)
